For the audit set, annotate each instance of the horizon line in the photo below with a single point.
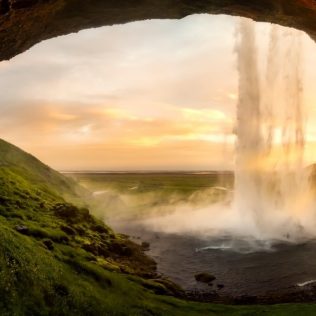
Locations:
(145, 171)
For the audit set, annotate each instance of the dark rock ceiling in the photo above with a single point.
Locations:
(24, 23)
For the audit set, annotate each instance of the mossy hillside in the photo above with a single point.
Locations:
(48, 247)
(35, 172)
(42, 215)
(56, 259)
(34, 282)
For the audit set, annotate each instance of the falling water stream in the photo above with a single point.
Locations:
(272, 200)
(261, 238)
(272, 193)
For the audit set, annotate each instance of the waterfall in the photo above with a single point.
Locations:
(272, 200)
(249, 139)
(272, 194)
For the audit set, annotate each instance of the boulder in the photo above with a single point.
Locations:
(145, 245)
(205, 277)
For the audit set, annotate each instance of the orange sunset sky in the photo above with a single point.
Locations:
(150, 95)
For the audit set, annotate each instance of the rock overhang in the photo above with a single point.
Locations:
(23, 23)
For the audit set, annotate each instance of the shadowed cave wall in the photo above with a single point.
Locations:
(24, 23)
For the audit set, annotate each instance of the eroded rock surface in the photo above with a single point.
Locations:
(24, 23)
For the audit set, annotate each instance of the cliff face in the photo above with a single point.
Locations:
(24, 23)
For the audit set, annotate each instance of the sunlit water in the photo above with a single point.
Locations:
(272, 192)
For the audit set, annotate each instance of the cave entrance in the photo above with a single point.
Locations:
(144, 116)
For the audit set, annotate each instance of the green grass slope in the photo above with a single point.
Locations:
(57, 259)
(22, 163)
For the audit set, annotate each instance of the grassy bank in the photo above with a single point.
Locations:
(57, 259)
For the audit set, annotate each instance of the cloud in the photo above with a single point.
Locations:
(141, 95)
(92, 129)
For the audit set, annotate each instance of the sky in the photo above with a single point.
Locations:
(149, 95)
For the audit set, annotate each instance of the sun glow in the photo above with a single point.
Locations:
(134, 94)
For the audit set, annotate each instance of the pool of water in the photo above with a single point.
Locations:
(241, 266)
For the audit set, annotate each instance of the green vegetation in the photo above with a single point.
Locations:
(57, 259)
(128, 196)
(168, 183)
